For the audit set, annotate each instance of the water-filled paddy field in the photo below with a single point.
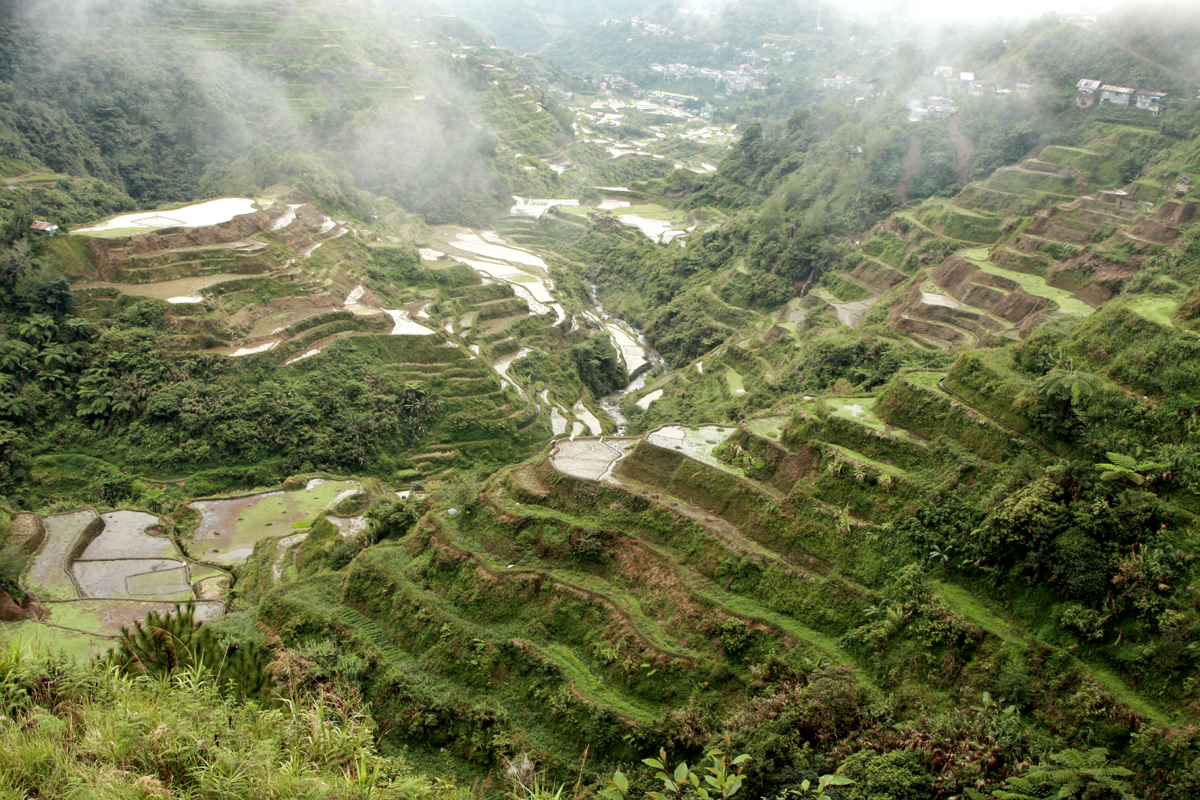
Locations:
(92, 589)
(698, 442)
(229, 529)
(196, 215)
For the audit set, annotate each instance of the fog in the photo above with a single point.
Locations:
(170, 105)
(416, 132)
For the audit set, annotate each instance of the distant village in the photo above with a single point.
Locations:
(938, 106)
(740, 79)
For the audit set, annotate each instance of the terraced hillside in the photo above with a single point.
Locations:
(1059, 233)
(617, 592)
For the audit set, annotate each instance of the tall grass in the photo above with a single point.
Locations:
(71, 729)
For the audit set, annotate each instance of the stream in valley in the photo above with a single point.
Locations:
(528, 274)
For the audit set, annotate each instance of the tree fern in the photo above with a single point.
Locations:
(1068, 774)
(1126, 467)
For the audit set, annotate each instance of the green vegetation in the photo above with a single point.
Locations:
(912, 514)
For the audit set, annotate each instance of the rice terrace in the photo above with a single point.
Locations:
(603, 401)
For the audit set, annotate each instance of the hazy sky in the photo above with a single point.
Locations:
(983, 8)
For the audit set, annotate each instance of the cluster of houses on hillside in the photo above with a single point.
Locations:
(733, 81)
(648, 28)
(967, 83)
(1088, 92)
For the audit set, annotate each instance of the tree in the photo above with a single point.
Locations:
(1121, 467)
(1068, 774)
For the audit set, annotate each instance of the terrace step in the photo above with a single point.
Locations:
(372, 631)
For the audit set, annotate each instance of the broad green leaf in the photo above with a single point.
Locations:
(621, 781)
(681, 771)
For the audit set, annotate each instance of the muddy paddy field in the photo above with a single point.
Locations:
(98, 573)
(229, 529)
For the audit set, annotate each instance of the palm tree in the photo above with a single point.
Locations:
(155, 497)
(12, 405)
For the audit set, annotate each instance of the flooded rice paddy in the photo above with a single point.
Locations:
(229, 529)
(502, 364)
(646, 401)
(659, 231)
(48, 577)
(404, 325)
(767, 427)
(697, 442)
(590, 459)
(125, 536)
(121, 575)
(558, 416)
(587, 418)
(536, 207)
(196, 215)
(125, 577)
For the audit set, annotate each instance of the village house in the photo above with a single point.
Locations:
(1150, 101)
(1085, 92)
(940, 106)
(962, 85)
(1117, 95)
(44, 228)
